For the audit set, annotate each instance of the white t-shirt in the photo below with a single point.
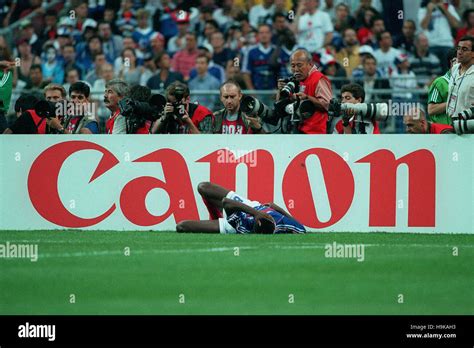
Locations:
(260, 15)
(312, 29)
(440, 33)
(461, 90)
(386, 60)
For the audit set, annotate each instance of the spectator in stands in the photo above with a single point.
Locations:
(69, 59)
(406, 41)
(99, 60)
(142, 35)
(163, 19)
(262, 14)
(105, 74)
(348, 56)
(369, 37)
(194, 119)
(461, 83)
(221, 54)
(364, 51)
(313, 27)
(329, 7)
(232, 72)
(112, 44)
(130, 71)
(72, 76)
(184, 60)
(163, 77)
(157, 44)
(438, 20)
(109, 17)
(372, 80)
(210, 28)
(280, 59)
(49, 31)
(468, 17)
(178, 42)
(280, 25)
(364, 25)
(81, 13)
(386, 54)
(416, 123)
(36, 83)
(128, 43)
(28, 32)
(204, 81)
(332, 68)
(225, 15)
(364, 13)
(401, 80)
(256, 62)
(214, 69)
(64, 38)
(343, 18)
(126, 16)
(115, 90)
(438, 94)
(51, 67)
(86, 58)
(27, 59)
(230, 119)
(205, 15)
(354, 93)
(424, 64)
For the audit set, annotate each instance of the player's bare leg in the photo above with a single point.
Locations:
(206, 226)
(212, 195)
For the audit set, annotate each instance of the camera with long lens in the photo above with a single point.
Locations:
(138, 112)
(463, 123)
(363, 112)
(45, 109)
(178, 105)
(292, 86)
(255, 108)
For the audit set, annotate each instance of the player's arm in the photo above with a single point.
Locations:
(231, 206)
(280, 210)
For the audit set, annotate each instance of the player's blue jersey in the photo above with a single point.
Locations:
(244, 223)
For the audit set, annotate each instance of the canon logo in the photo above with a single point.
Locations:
(338, 178)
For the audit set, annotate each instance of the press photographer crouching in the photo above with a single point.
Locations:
(27, 121)
(182, 117)
(348, 122)
(231, 119)
(141, 109)
(416, 123)
(115, 90)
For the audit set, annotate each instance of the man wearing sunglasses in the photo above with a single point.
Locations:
(461, 84)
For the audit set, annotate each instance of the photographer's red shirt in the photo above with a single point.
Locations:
(373, 128)
(437, 128)
(198, 114)
(109, 124)
(316, 85)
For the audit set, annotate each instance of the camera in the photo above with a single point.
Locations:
(363, 112)
(45, 109)
(138, 112)
(255, 108)
(179, 107)
(463, 123)
(292, 85)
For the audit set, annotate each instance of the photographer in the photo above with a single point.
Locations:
(416, 123)
(354, 93)
(313, 86)
(78, 118)
(115, 90)
(230, 119)
(182, 117)
(30, 121)
(27, 122)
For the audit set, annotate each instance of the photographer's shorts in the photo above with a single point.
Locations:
(224, 226)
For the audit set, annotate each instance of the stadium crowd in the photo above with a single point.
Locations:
(209, 51)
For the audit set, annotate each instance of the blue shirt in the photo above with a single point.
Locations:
(244, 223)
(207, 82)
(256, 62)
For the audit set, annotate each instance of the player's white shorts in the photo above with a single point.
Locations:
(224, 226)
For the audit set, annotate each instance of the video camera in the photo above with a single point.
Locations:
(463, 123)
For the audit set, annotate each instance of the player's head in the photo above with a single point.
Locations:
(352, 93)
(264, 226)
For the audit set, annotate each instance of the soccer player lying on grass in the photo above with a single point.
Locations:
(242, 215)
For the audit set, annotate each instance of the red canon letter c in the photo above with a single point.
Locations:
(44, 192)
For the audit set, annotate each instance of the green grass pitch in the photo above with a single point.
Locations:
(170, 273)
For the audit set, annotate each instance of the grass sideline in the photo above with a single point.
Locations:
(162, 266)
